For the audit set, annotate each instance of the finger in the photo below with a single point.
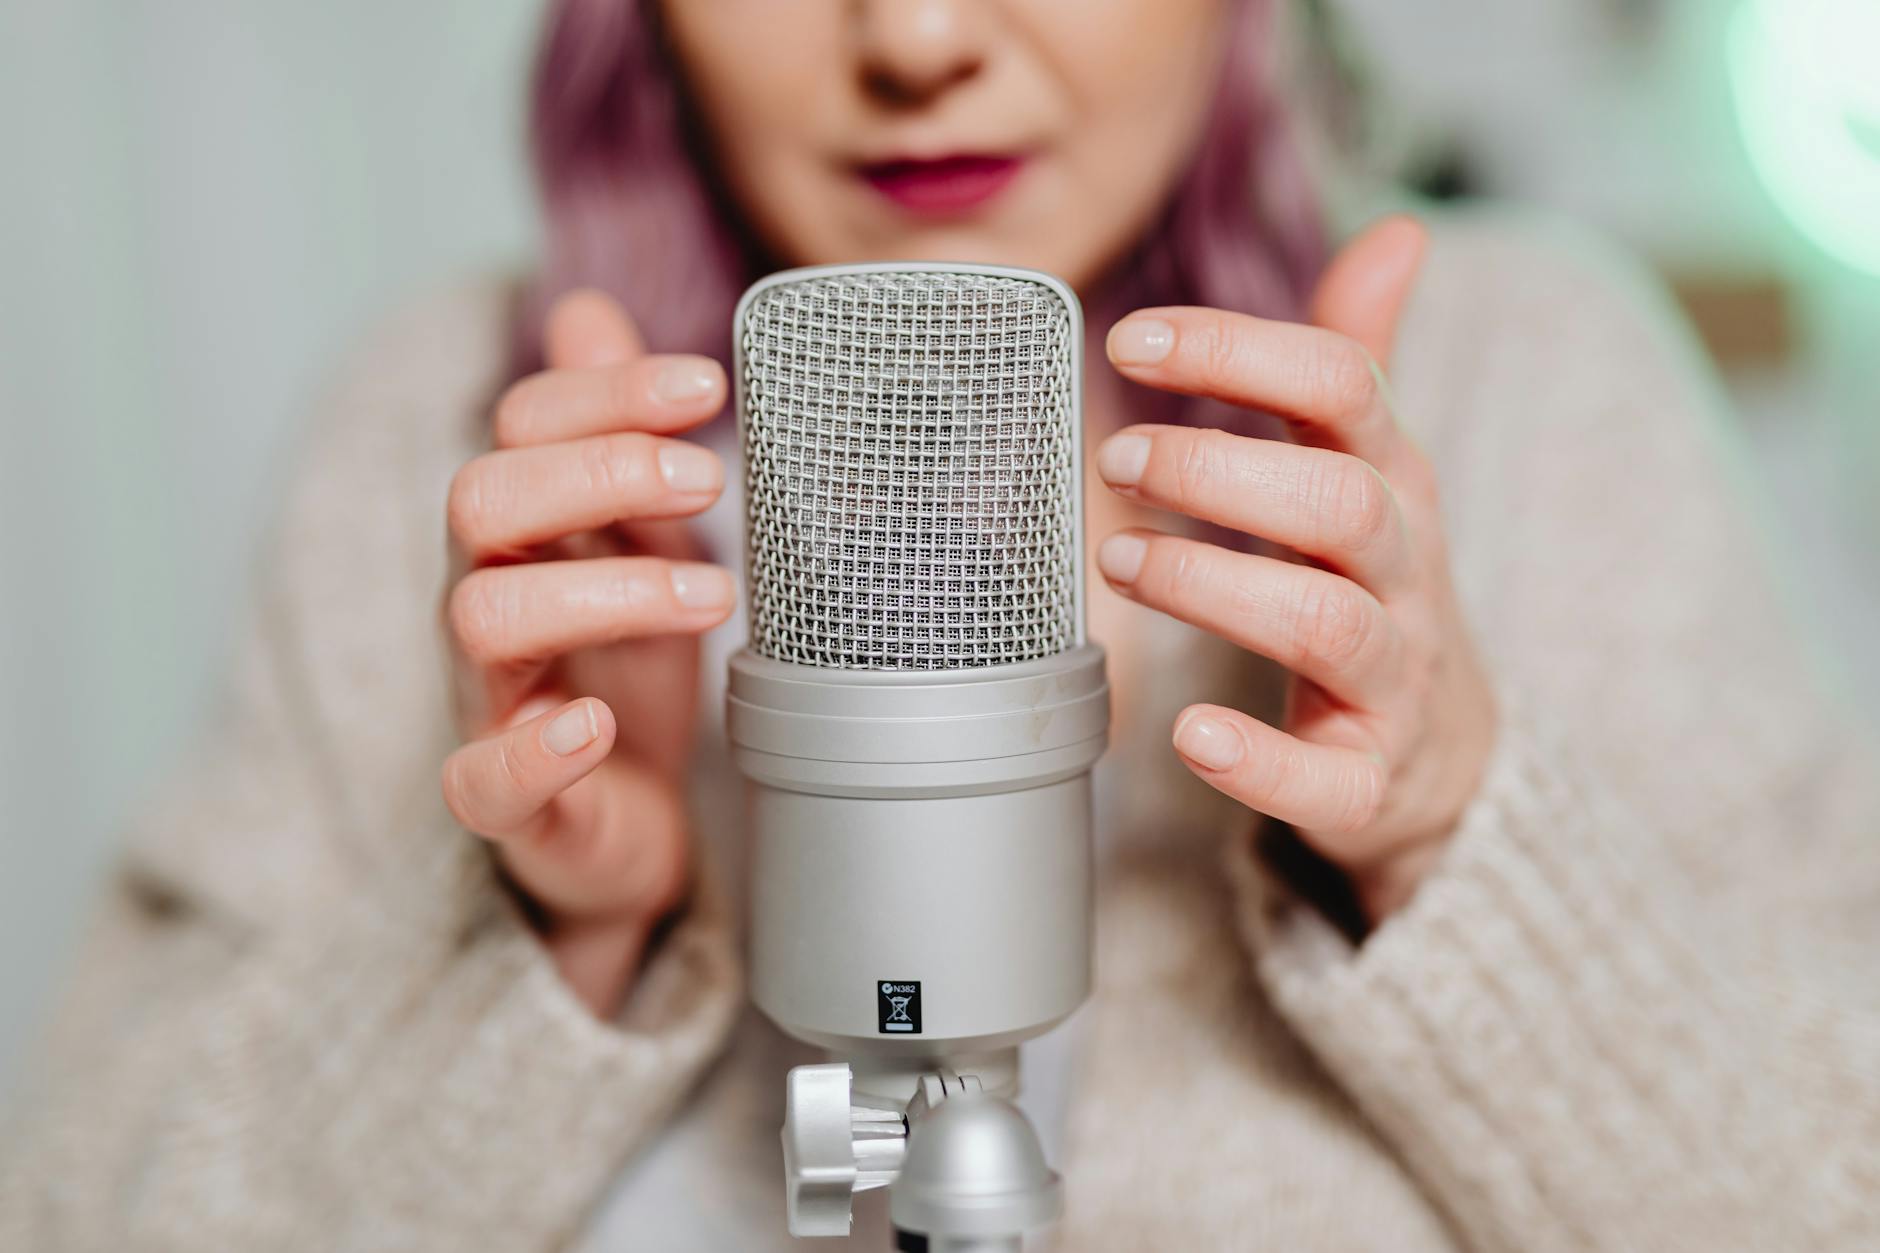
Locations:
(614, 847)
(506, 500)
(673, 539)
(1327, 505)
(500, 787)
(1367, 287)
(657, 393)
(1314, 787)
(1321, 382)
(586, 328)
(1319, 625)
(514, 615)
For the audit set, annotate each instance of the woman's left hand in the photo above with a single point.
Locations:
(1389, 718)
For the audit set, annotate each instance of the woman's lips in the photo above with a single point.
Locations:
(942, 185)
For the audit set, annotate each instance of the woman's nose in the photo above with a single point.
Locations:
(913, 49)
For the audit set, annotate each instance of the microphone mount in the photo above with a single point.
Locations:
(963, 1167)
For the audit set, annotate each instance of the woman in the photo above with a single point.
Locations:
(1552, 936)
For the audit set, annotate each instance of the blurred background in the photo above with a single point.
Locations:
(208, 200)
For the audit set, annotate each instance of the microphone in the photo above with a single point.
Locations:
(918, 712)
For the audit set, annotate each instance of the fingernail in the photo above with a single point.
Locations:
(684, 380)
(688, 468)
(1208, 742)
(1141, 341)
(1121, 459)
(701, 586)
(571, 732)
(1120, 558)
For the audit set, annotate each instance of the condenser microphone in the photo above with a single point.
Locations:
(918, 711)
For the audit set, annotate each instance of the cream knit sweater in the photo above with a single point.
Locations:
(1636, 1007)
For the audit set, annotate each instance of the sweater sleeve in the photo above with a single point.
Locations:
(307, 1016)
(1633, 1006)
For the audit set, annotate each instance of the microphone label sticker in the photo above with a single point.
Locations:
(897, 1007)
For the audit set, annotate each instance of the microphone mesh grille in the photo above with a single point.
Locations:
(909, 443)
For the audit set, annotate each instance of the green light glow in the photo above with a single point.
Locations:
(1808, 97)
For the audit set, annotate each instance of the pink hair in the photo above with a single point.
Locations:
(631, 207)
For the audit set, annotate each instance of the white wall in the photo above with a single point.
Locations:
(202, 201)
(1589, 106)
(1621, 113)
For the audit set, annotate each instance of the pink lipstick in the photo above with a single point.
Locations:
(943, 185)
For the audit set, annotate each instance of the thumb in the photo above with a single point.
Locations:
(1365, 289)
(587, 328)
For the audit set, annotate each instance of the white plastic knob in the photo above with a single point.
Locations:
(833, 1148)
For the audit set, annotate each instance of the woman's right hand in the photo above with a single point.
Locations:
(579, 597)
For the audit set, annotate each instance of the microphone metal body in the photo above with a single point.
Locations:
(918, 708)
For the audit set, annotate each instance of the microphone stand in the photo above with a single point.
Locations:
(963, 1166)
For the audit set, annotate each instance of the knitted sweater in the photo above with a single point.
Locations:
(1634, 1007)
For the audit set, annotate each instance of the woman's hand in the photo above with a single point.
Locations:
(1390, 718)
(577, 603)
